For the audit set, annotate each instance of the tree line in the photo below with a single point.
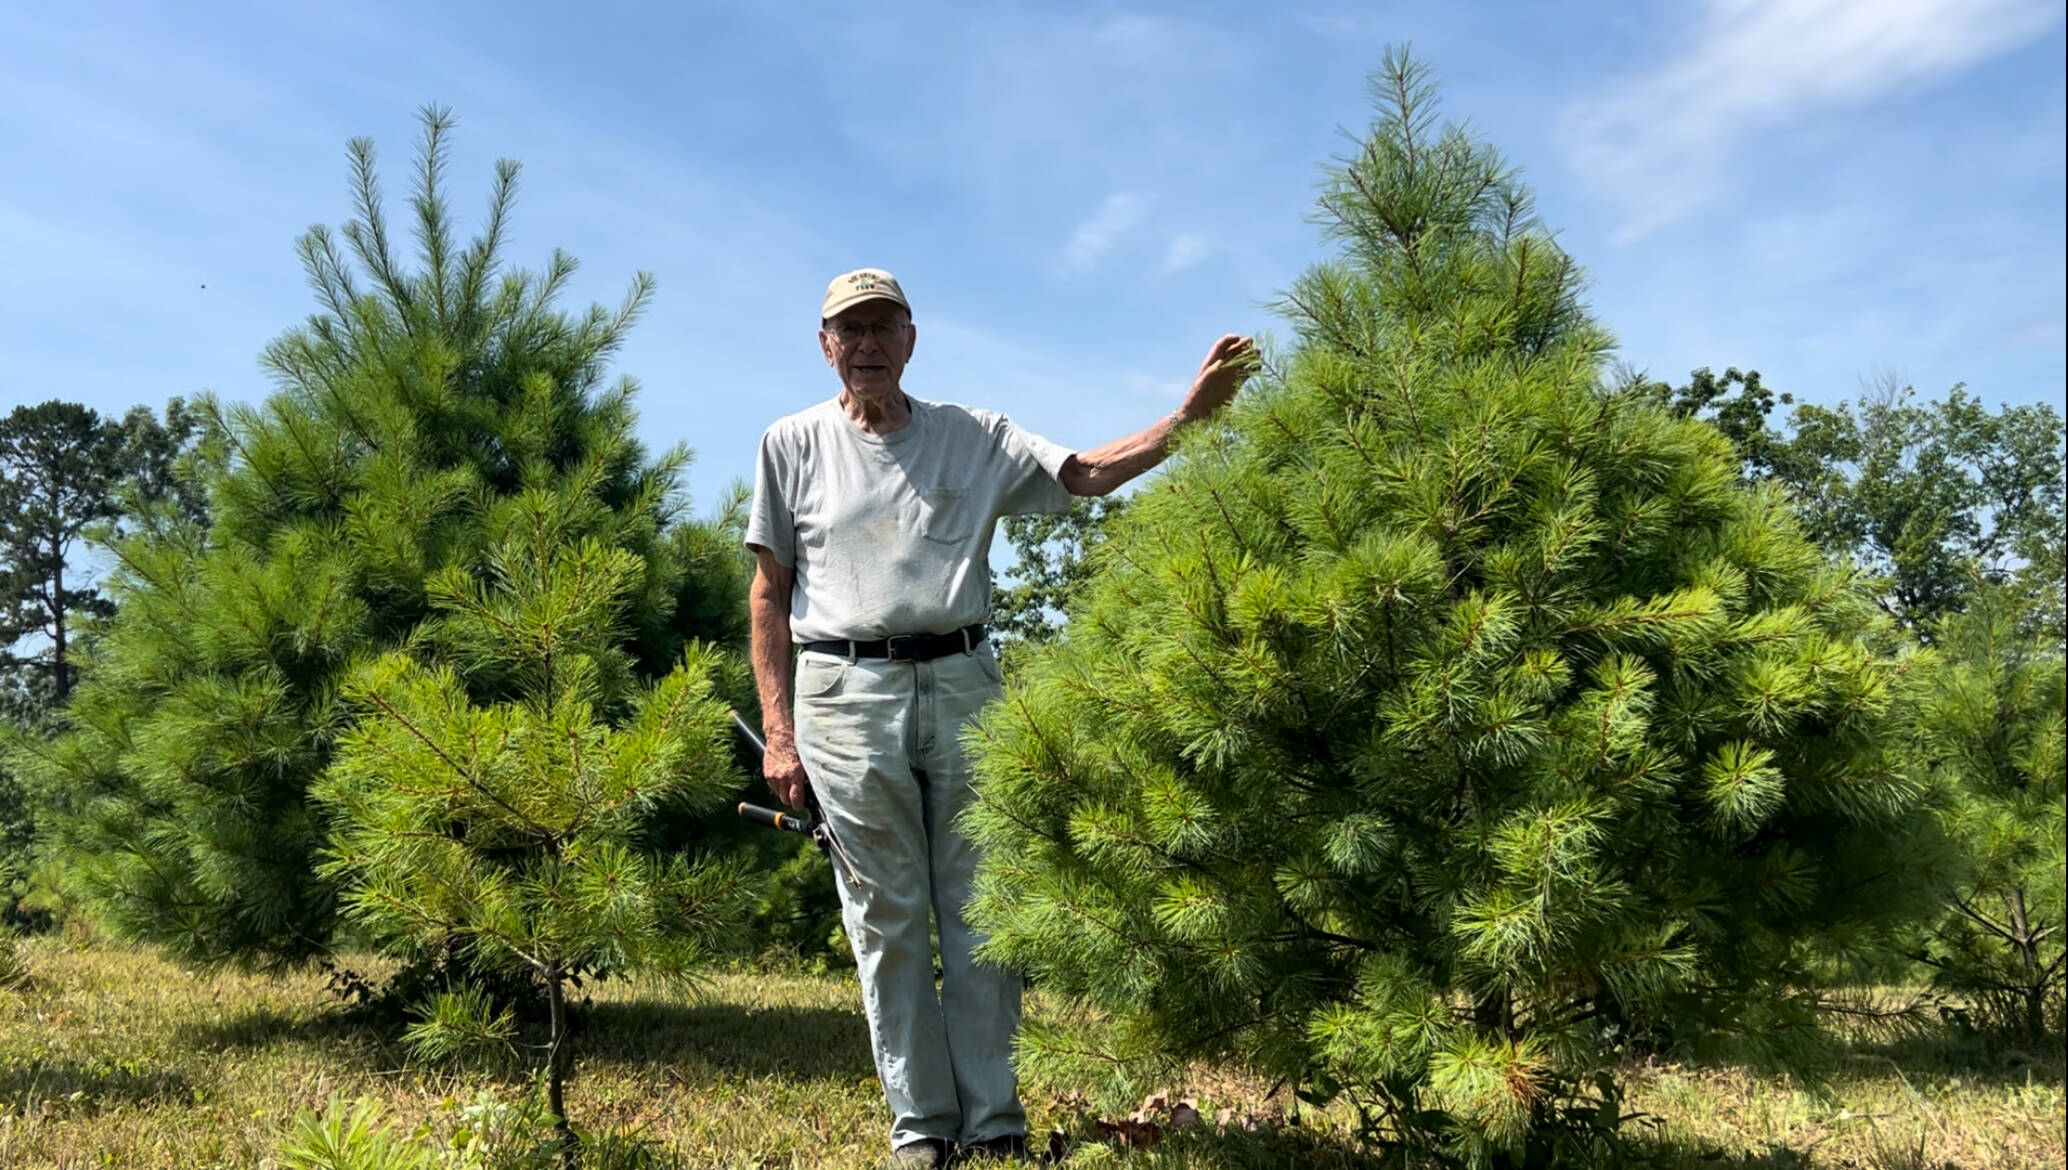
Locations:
(1450, 717)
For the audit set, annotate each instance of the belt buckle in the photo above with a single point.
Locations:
(890, 647)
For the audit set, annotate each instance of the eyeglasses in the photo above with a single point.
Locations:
(852, 332)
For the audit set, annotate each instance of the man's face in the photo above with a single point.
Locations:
(868, 345)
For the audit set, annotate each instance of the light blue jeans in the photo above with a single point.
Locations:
(881, 743)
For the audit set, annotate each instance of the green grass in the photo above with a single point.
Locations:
(111, 1056)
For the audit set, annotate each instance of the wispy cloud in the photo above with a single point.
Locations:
(1185, 252)
(1119, 215)
(1663, 141)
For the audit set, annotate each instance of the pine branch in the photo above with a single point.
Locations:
(396, 717)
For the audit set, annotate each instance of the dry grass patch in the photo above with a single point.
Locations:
(1922, 1106)
(111, 1056)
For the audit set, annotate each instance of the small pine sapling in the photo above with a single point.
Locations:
(508, 824)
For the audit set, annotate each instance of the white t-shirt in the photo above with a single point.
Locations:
(891, 534)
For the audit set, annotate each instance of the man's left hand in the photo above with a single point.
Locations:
(1227, 366)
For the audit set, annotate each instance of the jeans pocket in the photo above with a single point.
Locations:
(820, 678)
(987, 661)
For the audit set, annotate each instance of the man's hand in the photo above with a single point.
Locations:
(784, 771)
(1227, 366)
(768, 610)
(1100, 470)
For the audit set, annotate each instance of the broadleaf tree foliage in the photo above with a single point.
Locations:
(412, 407)
(1051, 564)
(1447, 712)
(1936, 498)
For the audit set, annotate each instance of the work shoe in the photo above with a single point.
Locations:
(1007, 1147)
(924, 1154)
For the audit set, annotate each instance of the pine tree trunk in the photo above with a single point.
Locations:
(556, 1066)
(2028, 954)
(57, 620)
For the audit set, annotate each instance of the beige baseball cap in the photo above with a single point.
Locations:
(863, 284)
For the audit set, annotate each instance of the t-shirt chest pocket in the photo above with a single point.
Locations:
(948, 515)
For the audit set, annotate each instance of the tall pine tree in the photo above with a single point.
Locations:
(1448, 712)
(60, 464)
(411, 405)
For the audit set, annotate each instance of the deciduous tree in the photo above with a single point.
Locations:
(1933, 497)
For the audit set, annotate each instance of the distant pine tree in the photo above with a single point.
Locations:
(413, 407)
(1447, 713)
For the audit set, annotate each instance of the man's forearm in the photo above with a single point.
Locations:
(1100, 470)
(769, 650)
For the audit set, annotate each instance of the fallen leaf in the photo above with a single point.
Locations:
(1128, 1133)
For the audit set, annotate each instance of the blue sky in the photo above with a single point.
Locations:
(1078, 198)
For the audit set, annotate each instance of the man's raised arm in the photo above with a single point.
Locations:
(1098, 471)
(768, 610)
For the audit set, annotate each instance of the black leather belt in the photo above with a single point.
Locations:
(906, 647)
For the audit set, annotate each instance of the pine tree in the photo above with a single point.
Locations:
(1991, 729)
(411, 406)
(1448, 712)
(59, 466)
(510, 827)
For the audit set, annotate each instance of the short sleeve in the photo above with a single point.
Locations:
(1033, 469)
(771, 520)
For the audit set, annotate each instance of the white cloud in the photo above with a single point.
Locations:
(1185, 251)
(1120, 214)
(1662, 141)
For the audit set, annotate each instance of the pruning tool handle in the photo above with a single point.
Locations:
(777, 819)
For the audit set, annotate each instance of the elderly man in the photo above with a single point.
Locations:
(871, 524)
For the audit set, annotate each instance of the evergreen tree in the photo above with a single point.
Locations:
(510, 827)
(410, 407)
(63, 471)
(165, 466)
(66, 476)
(59, 464)
(1991, 729)
(1447, 713)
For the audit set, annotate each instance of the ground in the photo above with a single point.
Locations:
(111, 1056)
